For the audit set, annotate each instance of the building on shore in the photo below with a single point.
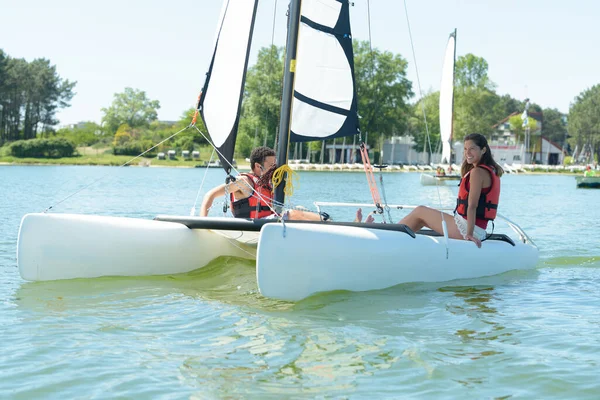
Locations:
(532, 148)
(400, 150)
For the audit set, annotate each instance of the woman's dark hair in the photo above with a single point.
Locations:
(486, 158)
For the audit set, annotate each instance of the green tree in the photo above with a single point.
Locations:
(45, 93)
(132, 107)
(30, 95)
(184, 120)
(516, 126)
(472, 71)
(383, 92)
(555, 126)
(430, 103)
(3, 95)
(123, 135)
(584, 120)
(262, 100)
(83, 134)
(474, 111)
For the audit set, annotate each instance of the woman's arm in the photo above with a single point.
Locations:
(476, 178)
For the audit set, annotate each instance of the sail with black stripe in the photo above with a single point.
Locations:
(221, 97)
(324, 104)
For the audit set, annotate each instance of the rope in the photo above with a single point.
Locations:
(386, 207)
(290, 176)
(114, 171)
(193, 212)
(197, 111)
(371, 178)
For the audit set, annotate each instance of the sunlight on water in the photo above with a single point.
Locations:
(210, 334)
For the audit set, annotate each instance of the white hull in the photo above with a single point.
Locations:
(67, 246)
(296, 261)
(432, 180)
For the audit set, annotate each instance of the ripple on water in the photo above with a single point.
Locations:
(209, 333)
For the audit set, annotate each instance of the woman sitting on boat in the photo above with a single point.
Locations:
(477, 200)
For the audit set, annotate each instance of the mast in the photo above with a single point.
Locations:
(288, 92)
(453, 80)
(446, 102)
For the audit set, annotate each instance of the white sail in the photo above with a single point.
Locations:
(222, 92)
(447, 99)
(324, 104)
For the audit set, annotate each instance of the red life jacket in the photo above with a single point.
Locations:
(256, 205)
(488, 200)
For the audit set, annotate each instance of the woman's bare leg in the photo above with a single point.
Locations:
(424, 216)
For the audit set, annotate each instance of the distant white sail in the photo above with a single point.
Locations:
(447, 99)
(222, 93)
(324, 104)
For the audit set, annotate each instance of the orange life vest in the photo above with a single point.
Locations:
(488, 201)
(256, 205)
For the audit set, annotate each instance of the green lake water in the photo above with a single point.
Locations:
(210, 334)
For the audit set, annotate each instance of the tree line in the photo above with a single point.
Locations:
(30, 94)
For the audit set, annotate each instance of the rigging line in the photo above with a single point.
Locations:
(437, 188)
(371, 177)
(420, 92)
(386, 207)
(266, 201)
(235, 244)
(113, 172)
(193, 212)
(372, 69)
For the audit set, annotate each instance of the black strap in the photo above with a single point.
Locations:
(488, 235)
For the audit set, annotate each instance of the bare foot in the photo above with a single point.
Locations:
(359, 215)
(369, 219)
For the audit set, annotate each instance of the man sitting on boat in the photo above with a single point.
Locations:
(251, 195)
(477, 201)
(440, 171)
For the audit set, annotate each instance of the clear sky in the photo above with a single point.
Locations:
(545, 50)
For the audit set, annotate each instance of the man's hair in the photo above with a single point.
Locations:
(259, 154)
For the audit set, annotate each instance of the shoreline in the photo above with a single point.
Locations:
(542, 170)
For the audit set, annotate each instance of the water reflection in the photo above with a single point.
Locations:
(228, 280)
(275, 356)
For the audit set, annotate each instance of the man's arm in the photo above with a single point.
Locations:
(240, 188)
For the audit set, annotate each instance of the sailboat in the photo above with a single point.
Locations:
(446, 117)
(294, 259)
(589, 180)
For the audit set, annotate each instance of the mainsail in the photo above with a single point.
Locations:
(324, 104)
(221, 97)
(447, 99)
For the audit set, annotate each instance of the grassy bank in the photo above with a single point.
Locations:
(92, 156)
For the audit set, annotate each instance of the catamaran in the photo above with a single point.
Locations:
(294, 259)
